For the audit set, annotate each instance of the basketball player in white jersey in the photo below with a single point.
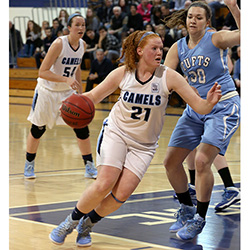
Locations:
(129, 137)
(59, 77)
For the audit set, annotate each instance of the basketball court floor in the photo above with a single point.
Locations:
(37, 206)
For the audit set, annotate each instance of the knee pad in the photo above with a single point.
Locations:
(82, 133)
(116, 198)
(36, 131)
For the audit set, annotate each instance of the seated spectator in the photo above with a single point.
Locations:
(156, 16)
(135, 21)
(167, 40)
(165, 11)
(91, 38)
(215, 5)
(180, 4)
(100, 68)
(125, 8)
(144, 8)
(105, 13)
(118, 22)
(15, 44)
(45, 24)
(149, 27)
(33, 38)
(236, 75)
(109, 44)
(56, 26)
(65, 31)
(92, 21)
(47, 41)
(63, 17)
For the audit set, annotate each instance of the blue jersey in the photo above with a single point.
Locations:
(204, 65)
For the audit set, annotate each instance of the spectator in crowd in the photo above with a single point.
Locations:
(156, 3)
(118, 22)
(33, 38)
(45, 24)
(105, 13)
(63, 17)
(149, 27)
(109, 44)
(215, 5)
(15, 44)
(236, 75)
(181, 4)
(144, 8)
(135, 21)
(91, 38)
(125, 7)
(167, 40)
(100, 68)
(92, 21)
(47, 41)
(156, 16)
(56, 26)
(65, 31)
(165, 11)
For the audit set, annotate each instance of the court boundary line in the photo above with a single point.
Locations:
(101, 235)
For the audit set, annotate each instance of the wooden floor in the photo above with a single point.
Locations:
(37, 206)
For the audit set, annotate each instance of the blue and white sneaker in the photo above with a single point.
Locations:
(192, 228)
(90, 170)
(184, 214)
(230, 196)
(192, 192)
(84, 228)
(29, 170)
(59, 234)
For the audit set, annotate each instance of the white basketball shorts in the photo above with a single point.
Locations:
(46, 105)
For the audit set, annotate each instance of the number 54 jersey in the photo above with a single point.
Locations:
(65, 65)
(140, 110)
(204, 65)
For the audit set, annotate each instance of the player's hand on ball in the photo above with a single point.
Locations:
(74, 84)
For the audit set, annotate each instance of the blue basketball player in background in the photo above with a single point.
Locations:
(203, 59)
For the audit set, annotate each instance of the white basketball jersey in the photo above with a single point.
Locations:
(139, 112)
(65, 65)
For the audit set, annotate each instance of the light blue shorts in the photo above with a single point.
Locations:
(215, 128)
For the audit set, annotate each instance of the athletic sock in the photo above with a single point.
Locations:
(94, 217)
(226, 177)
(202, 208)
(77, 214)
(185, 198)
(192, 176)
(87, 158)
(30, 157)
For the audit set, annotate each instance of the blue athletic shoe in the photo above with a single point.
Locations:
(29, 170)
(183, 214)
(192, 192)
(90, 170)
(230, 196)
(59, 234)
(192, 228)
(84, 228)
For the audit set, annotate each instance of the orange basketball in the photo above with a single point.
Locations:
(77, 111)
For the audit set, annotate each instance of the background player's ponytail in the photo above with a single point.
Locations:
(179, 17)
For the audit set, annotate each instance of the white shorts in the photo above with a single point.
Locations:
(46, 105)
(117, 150)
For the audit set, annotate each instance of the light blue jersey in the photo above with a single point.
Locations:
(204, 65)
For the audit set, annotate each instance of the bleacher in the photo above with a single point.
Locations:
(23, 80)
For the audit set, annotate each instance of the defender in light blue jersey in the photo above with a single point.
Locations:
(203, 58)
